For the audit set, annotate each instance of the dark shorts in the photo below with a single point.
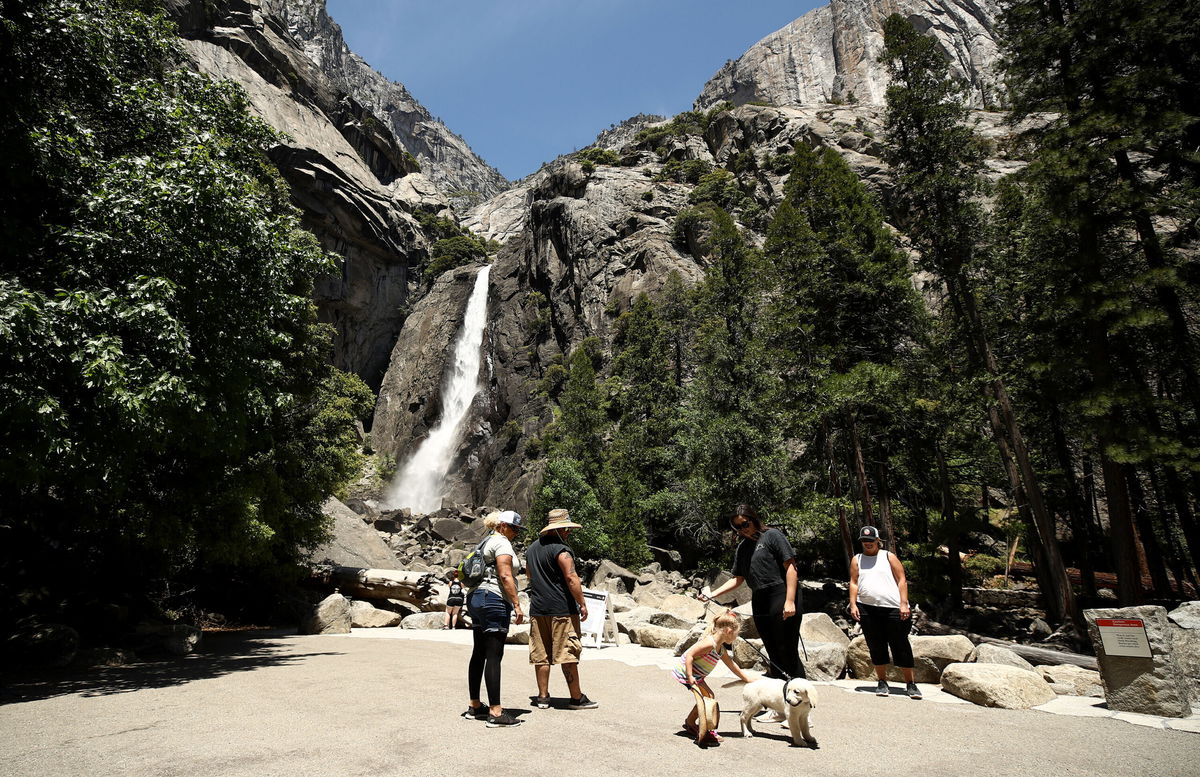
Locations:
(489, 611)
(454, 601)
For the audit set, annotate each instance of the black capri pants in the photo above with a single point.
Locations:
(883, 628)
(780, 636)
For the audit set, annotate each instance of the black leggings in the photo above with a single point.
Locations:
(485, 664)
(882, 627)
(780, 636)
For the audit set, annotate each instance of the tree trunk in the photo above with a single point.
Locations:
(1080, 525)
(412, 587)
(860, 471)
(885, 507)
(1156, 563)
(950, 526)
(835, 486)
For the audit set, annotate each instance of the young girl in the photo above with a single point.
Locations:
(701, 658)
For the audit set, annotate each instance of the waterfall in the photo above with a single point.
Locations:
(419, 484)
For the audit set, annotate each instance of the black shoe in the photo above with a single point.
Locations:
(503, 719)
(475, 713)
(541, 702)
(582, 703)
(913, 691)
(882, 688)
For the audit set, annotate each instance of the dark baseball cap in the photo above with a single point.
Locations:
(868, 533)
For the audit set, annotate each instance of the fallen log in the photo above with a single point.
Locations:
(1031, 653)
(416, 588)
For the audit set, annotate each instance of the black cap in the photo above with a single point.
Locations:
(868, 533)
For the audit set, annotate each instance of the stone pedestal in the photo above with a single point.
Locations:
(1152, 686)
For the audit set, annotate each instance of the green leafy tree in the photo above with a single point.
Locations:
(564, 486)
(166, 398)
(731, 443)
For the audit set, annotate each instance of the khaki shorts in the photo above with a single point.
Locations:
(554, 639)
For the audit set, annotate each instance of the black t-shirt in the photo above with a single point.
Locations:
(456, 591)
(548, 592)
(761, 561)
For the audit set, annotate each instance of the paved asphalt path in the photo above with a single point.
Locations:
(266, 703)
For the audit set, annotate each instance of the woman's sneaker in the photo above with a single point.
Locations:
(582, 703)
(913, 691)
(541, 702)
(503, 719)
(476, 713)
(882, 688)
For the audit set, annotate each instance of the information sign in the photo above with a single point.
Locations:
(1124, 637)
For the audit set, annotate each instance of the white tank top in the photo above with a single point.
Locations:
(876, 583)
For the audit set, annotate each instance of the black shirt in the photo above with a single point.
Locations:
(761, 561)
(548, 592)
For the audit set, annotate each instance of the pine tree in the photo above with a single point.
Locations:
(936, 159)
(1115, 164)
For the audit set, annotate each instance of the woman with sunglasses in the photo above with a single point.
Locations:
(765, 560)
(879, 601)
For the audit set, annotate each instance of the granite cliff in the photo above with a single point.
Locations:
(444, 156)
(831, 54)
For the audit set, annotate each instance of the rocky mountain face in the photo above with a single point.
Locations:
(831, 54)
(358, 190)
(580, 247)
(444, 157)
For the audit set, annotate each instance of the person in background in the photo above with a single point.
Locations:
(765, 560)
(879, 601)
(492, 605)
(454, 601)
(556, 607)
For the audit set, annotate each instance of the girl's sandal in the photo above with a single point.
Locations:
(713, 736)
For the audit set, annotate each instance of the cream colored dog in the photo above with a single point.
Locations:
(792, 700)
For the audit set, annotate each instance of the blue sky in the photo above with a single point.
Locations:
(523, 81)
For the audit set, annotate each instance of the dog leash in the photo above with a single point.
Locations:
(762, 655)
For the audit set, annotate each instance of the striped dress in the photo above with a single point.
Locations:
(702, 666)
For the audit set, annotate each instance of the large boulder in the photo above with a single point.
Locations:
(1185, 645)
(996, 685)
(607, 570)
(352, 543)
(930, 656)
(652, 593)
(518, 634)
(1186, 615)
(819, 627)
(824, 661)
(1070, 680)
(330, 616)
(364, 615)
(1156, 685)
(682, 607)
(649, 635)
(995, 654)
(650, 616)
(424, 620)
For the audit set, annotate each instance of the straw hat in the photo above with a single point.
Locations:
(559, 519)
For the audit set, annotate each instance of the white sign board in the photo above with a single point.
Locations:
(1124, 637)
(597, 605)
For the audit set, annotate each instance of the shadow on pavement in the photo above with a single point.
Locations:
(221, 654)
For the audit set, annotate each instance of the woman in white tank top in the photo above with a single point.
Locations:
(879, 601)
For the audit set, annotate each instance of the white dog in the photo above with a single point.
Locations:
(792, 700)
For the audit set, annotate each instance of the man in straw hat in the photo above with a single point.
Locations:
(556, 607)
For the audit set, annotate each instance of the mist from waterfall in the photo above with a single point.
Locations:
(419, 485)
